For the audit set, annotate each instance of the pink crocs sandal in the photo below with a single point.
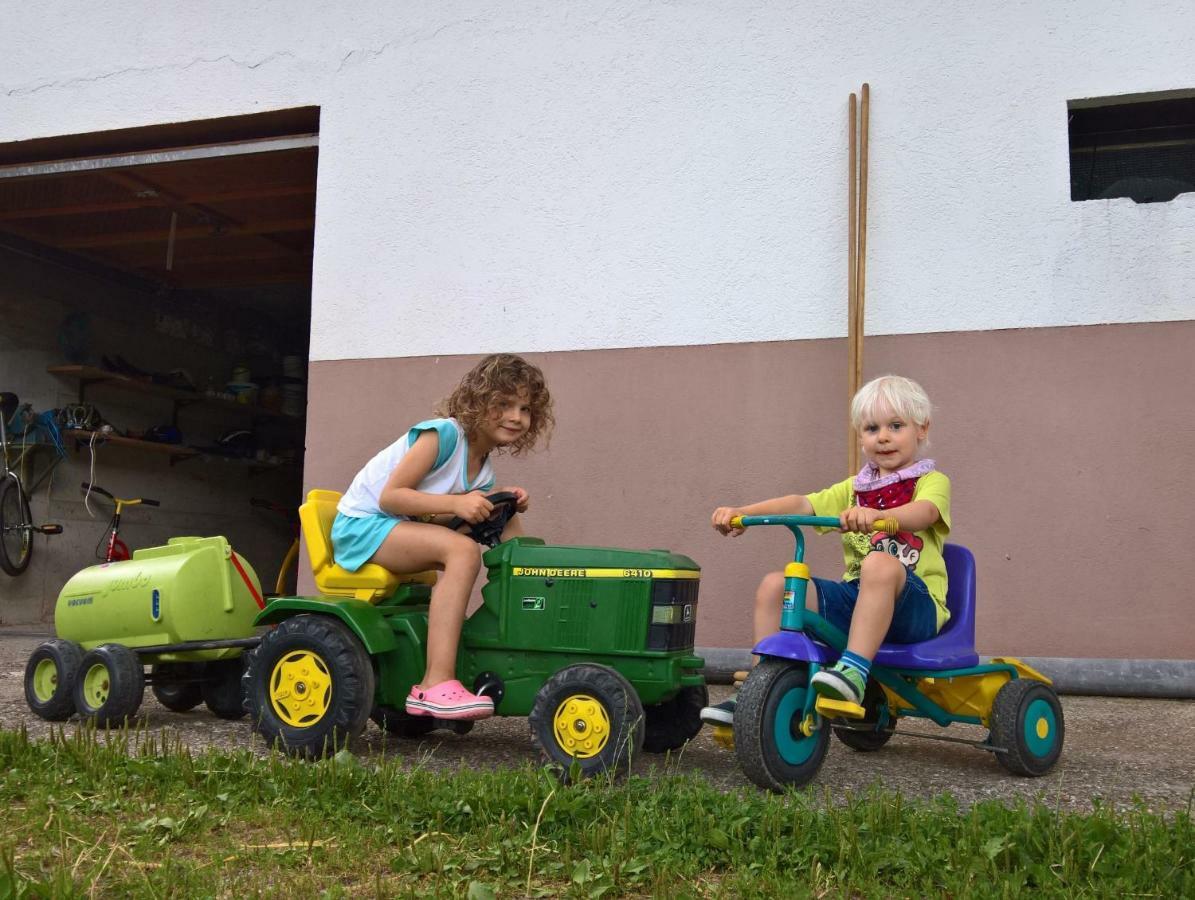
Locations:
(448, 700)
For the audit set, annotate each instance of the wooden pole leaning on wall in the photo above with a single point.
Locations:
(856, 258)
(852, 444)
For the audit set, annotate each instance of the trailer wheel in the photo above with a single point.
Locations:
(309, 686)
(1026, 724)
(50, 679)
(171, 690)
(770, 737)
(673, 723)
(589, 715)
(110, 685)
(222, 689)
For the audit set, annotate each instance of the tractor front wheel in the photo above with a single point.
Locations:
(309, 686)
(776, 744)
(672, 724)
(50, 679)
(589, 715)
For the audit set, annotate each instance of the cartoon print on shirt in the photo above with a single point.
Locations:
(904, 545)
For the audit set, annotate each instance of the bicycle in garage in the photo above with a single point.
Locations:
(16, 518)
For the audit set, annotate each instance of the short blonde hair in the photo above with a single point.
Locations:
(902, 396)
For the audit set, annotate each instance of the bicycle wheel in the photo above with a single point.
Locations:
(16, 527)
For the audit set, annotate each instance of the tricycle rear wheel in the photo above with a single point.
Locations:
(1027, 725)
(773, 750)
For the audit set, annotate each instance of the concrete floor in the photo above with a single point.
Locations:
(1116, 749)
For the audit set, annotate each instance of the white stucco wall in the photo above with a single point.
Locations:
(564, 175)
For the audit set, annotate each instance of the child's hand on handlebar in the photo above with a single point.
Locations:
(860, 519)
(721, 520)
(473, 507)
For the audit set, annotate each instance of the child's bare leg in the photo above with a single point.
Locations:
(881, 579)
(416, 547)
(768, 597)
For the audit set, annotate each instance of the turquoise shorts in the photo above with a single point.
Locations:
(355, 539)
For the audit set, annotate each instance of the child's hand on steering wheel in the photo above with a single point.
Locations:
(523, 500)
(472, 507)
(860, 519)
(721, 520)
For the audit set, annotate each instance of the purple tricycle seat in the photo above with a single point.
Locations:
(954, 646)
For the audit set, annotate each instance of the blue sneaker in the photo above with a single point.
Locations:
(841, 683)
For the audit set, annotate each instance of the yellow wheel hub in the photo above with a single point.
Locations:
(582, 726)
(300, 688)
(1043, 728)
(96, 685)
(45, 680)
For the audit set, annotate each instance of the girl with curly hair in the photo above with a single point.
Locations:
(393, 511)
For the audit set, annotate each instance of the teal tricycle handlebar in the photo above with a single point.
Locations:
(796, 573)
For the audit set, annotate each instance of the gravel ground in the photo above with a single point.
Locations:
(1117, 749)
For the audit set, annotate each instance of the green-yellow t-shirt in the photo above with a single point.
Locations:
(921, 551)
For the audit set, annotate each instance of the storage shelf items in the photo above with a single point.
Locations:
(88, 375)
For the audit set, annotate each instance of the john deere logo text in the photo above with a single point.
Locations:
(552, 573)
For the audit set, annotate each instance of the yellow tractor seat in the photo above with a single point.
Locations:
(370, 583)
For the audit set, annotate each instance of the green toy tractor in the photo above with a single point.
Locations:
(185, 610)
(593, 645)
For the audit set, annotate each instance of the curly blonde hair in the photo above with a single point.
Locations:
(497, 375)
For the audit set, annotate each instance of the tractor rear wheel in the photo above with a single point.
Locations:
(222, 689)
(309, 686)
(401, 723)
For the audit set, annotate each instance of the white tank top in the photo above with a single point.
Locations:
(448, 475)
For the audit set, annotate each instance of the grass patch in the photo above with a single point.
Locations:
(140, 816)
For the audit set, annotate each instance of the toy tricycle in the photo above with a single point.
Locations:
(594, 645)
(782, 728)
(185, 610)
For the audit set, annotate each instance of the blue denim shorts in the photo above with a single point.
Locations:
(915, 618)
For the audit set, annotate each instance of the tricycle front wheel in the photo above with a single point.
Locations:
(770, 737)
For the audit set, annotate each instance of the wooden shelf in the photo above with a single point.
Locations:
(87, 375)
(174, 450)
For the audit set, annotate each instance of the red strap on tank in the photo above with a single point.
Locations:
(261, 604)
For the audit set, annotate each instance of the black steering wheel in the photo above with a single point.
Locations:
(489, 531)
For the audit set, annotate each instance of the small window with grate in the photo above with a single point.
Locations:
(1140, 146)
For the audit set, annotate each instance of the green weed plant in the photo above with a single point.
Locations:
(137, 815)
